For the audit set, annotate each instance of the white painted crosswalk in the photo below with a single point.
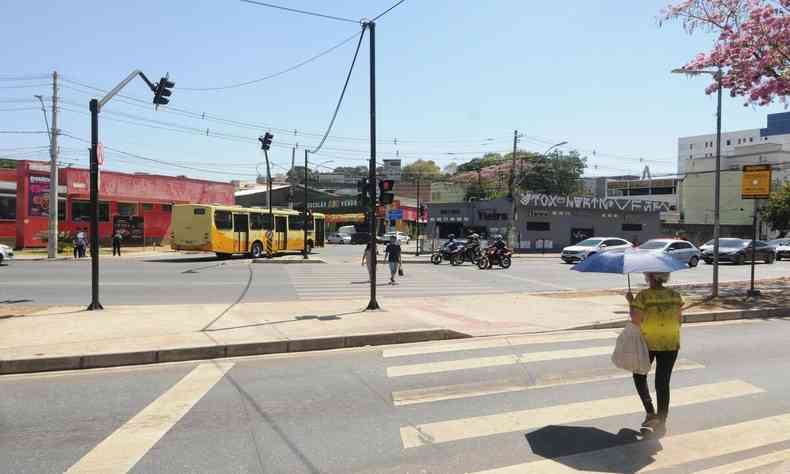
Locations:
(759, 443)
(321, 282)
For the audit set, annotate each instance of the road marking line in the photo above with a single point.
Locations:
(120, 451)
(647, 455)
(488, 343)
(454, 392)
(495, 361)
(751, 463)
(524, 420)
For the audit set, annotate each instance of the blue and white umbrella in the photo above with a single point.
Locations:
(630, 261)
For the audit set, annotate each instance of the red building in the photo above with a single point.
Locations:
(139, 203)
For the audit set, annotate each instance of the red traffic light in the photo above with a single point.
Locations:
(386, 185)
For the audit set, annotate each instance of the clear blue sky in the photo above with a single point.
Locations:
(451, 74)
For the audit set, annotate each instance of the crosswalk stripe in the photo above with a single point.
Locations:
(454, 392)
(483, 343)
(494, 361)
(523, 420)
(672, 451)
(751, 463)
(120, 451)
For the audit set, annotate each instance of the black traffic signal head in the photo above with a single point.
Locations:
(362, 185)
(386, 185)
(266, 141)
(162, 91)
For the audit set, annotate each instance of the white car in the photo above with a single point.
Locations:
(338, 238)
(400, 236)
(678, 249)
(782, 248)
(585, 248)
(6, 253)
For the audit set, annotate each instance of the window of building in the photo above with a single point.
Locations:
(167, 208)
(729, 142)
(127, 209)
(223, 220)
(7, 207)
(539, 226)
(739, 141)
(81, 211)
(691, 146)
(751, 139)
(61, 210)
(148, 207)
(632, 227)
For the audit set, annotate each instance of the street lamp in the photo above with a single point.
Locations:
(717, 176)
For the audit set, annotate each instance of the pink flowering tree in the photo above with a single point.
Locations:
(752, 47)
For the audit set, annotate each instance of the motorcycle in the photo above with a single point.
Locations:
(444, 253)
(493, 256)
(469, 253)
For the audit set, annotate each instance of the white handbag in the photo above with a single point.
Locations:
(630, 351)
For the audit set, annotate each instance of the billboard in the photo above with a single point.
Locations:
(38, 196)
(392, 169)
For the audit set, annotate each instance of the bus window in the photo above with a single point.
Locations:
(295, 223)
(223, 220)
(260, 221)
(281, 224)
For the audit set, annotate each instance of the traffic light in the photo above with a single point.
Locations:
(364, 191)
(386, 196)
(266, 141)
(162, 91)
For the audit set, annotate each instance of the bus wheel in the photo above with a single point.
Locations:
(257, 250)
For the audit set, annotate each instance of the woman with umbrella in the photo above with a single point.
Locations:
(657, 311)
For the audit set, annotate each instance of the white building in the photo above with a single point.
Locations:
(698, 153)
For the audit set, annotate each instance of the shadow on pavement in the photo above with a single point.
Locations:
(204, 258)
(567, 444)
(309, 317)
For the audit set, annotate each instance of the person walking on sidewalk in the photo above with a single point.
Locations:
(117, 237)
(370, 262)
(393, 256)
(658, 312)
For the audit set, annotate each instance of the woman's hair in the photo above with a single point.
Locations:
(659, 277)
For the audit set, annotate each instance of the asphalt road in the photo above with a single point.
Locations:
(539, 404)
(176, 279)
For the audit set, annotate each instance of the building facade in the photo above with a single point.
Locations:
(139, 204)
(549, 222)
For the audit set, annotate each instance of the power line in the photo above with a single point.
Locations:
(276, 74)
(387, 10)
(342, 94)
(29, 77)
(21, 132)
(26, 86)
(303, 12)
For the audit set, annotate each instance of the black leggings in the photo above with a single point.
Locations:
(665, 361)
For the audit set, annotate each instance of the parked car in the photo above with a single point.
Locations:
(781, 248)
(338, 238)
(739, 251)
(724, 241)
(6, 253)
(400, 236)
(679, 249)
(585, 248)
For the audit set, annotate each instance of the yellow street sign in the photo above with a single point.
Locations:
(756, 182)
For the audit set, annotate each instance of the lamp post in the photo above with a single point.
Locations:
(514, 186)
(717, 175)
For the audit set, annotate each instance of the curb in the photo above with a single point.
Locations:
(300, 261)
(77, 362)
(726, 315)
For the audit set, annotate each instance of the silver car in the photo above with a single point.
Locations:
(6, 253)
(338, 238)
(585, 248)
(679, 249)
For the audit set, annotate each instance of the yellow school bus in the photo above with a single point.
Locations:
(228, 230)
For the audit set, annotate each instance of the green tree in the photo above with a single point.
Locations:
(424, 169)
(489, 159)
(296, 175)
(553, 174)
(777, 211)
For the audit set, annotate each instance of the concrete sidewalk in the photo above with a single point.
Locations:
(59, 338)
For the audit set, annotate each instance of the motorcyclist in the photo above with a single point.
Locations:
(499, 244)
(451, 243)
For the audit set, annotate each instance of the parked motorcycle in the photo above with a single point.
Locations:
(493, 256)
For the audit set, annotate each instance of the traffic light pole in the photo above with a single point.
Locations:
(419, 215)
(161, 90)
(372, 304)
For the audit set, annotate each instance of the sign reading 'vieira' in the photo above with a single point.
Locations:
(756, 182)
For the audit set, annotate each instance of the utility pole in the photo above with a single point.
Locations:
(304, 250)
(52, 240)
(512, 191)
(419, 215)
(372, 304)
(717, 192)
(290, 178)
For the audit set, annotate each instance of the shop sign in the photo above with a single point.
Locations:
(756, 182)
(132, 229)
(396, 214)
(38, 196)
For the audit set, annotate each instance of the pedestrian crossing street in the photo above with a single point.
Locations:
(322, 282)
(419, 376)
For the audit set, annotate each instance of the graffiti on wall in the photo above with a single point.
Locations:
(603, 204)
